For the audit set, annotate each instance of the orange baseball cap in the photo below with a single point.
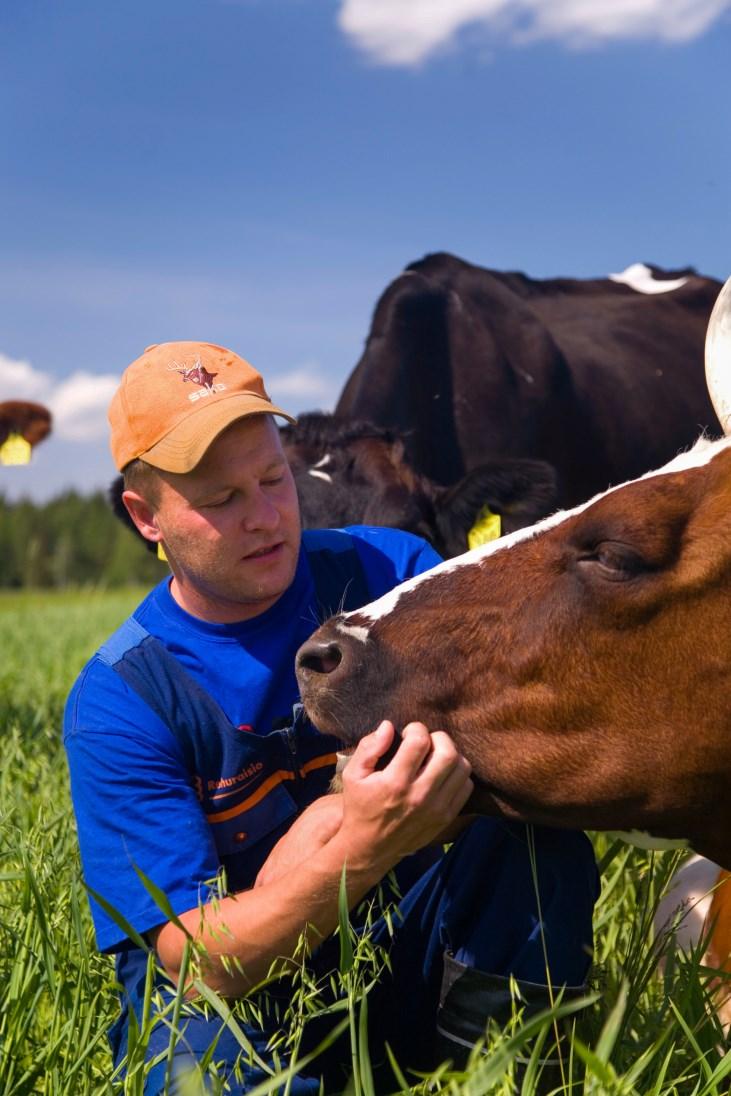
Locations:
(176, 398)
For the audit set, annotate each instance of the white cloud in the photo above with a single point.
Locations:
(19, 380)
(407, 32)
(305, 385)
(78, 403)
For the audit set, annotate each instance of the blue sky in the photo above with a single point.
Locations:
(254, 173)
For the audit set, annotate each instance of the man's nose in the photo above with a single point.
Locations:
(261, 513)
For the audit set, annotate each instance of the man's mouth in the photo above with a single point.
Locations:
(266, 552)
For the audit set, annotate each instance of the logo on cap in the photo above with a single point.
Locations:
(198, 374)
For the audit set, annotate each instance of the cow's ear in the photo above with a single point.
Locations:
(397, 452)
(520, 491)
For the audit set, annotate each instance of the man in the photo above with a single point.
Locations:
(194, 773)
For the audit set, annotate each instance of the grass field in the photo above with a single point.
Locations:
(644, 1032)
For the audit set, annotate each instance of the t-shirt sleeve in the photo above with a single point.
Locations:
(135, 805)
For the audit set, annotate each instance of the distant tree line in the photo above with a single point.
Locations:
(72, 540)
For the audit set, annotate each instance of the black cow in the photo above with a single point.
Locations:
(601, 378)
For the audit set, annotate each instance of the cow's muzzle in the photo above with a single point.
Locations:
(318, 657)
(322, 668)
(343, 684)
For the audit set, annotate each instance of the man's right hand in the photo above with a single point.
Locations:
(399, 809)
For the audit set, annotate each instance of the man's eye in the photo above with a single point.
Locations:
(273, 481)
(215, 504)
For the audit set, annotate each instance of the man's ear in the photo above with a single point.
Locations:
(142, 515)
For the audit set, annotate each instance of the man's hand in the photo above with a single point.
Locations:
(390, 813)
(422, 789)
(313, 829)
(380, 817)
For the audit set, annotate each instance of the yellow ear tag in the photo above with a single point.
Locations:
(15, 450)
(487, 527)
(161, 552)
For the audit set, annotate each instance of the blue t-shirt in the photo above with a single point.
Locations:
(135, 798)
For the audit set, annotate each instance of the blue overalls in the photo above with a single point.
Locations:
(470, 912)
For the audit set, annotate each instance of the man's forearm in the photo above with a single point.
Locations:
(243, 934)
(382, 816)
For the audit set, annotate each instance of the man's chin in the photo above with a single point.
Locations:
(265, 584)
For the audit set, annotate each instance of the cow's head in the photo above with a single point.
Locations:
(22, 426)
(583, 665)
(353, 473)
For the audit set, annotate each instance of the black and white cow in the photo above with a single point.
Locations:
(600, 378)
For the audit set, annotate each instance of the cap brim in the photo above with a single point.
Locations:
(186, 444)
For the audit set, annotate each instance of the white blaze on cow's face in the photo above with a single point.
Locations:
(357, 623)
(317, 470)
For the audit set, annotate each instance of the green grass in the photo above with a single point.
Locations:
(56, 993)
(646, 1032)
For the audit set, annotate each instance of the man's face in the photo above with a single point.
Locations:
(231, 527)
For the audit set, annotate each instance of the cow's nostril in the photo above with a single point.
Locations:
(319, 658)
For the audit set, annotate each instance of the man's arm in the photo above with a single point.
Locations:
(386, 815)
(317, 825)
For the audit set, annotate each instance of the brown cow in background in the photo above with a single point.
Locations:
(23, 420)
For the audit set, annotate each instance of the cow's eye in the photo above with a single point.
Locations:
(613, 560)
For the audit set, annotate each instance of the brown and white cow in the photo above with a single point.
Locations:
(23, 425)
(582, 664)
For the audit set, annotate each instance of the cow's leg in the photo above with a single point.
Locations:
(683, 909)
(718, 954)
(697, 908)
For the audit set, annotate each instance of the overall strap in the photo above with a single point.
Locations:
(164, 684)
